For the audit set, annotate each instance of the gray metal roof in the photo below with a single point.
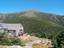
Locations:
(11, 26)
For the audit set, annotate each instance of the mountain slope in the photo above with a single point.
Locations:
(37, 23)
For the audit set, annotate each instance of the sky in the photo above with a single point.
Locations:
(48, 6)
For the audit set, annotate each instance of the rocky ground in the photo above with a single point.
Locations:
(30, 40)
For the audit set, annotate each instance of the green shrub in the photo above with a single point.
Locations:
(6, 41)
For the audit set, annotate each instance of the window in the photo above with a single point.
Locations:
(20, 29)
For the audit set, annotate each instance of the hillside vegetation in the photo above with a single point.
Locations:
(37, 23)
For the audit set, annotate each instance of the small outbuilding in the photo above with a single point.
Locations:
(14, 29)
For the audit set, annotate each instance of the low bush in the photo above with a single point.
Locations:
(6, 41)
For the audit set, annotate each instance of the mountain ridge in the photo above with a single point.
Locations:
(37, 23)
